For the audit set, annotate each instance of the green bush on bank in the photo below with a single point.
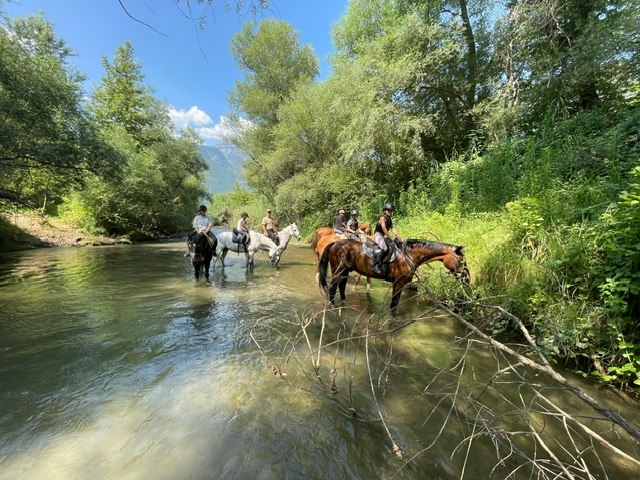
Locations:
(558, 244)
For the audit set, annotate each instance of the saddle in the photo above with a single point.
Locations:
(241, 238)
(274, 237)
(371, 250)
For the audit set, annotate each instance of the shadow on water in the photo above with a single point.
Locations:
(116, 363)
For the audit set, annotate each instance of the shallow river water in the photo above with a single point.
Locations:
(116, 364)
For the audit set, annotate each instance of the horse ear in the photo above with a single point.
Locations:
(460, 249)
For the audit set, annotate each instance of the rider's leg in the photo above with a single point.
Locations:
(379, 239)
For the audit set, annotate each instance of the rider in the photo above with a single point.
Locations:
(243, 229)
(269, 227)
(201, 224)
(338, 226)
(352, 224)
(384, 228)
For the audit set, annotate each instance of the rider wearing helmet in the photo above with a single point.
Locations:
(384, 228)
(338, 226)
(352, 223)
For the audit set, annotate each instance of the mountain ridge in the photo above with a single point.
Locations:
(225, 167)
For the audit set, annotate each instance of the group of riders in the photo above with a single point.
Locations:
(202, 223)
(384, 229)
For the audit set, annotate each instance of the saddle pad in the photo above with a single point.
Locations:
(371, 248)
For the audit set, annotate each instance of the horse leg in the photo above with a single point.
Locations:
(398, 285)
(207, 264)
(356, 281)
(344, 278)
(222, 256)
(368, 284)
(333, 285)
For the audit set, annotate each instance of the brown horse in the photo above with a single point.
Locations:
(322, 244)
(326, 231)
(349, 255)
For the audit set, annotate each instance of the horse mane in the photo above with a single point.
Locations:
(416, 242)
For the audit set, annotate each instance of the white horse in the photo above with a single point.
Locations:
(258, 242)
(285, 235)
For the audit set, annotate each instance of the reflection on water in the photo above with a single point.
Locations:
(116, 364)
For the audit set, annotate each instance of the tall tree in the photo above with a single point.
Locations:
(48, 142)
(423, 61)
(573, 55)
(164, 173)
(276, 65)
(122, 97)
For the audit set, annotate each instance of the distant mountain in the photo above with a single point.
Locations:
(225, 167)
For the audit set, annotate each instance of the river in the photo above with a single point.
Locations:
(116, 364)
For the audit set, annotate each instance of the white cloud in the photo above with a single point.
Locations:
(204, 126)
(193, 117)
(224, 129)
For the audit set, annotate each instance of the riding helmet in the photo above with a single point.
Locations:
(388, 206)
(355, 212)
(244, 214)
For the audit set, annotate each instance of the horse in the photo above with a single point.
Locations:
(328, 240)
(259, 242)
(202, 248)
(326, 231)
(349, 255)
(284, 236)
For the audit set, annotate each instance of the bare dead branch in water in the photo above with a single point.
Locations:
(394, 446)
(629, 427)
(506, 410)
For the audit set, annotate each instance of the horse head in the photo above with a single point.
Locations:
(456, 263)
(365, 228)
(294, 231)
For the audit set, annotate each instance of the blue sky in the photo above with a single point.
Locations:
(190, 69)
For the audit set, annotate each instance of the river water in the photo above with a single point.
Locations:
(116, 364)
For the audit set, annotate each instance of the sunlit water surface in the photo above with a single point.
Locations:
(116, 364)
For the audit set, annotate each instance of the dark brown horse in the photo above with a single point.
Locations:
(349, 255)
(202, 249)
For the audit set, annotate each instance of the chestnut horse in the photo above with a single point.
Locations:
(326, 231)
(349, 255)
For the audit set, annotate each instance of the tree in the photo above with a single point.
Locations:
(573, 55)
(276, 65)
(48, 142)
(164, 173)
(122, 98)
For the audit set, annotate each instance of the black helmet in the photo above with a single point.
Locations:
(355, 212)
(244, 214)
(202, 208)
(387, 206)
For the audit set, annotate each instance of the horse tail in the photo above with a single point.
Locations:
(314, 240)
(322, 266)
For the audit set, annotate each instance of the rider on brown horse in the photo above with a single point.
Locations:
(384, 228)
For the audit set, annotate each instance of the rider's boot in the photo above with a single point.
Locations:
(377, 267)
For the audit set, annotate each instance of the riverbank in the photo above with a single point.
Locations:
(22, 231)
